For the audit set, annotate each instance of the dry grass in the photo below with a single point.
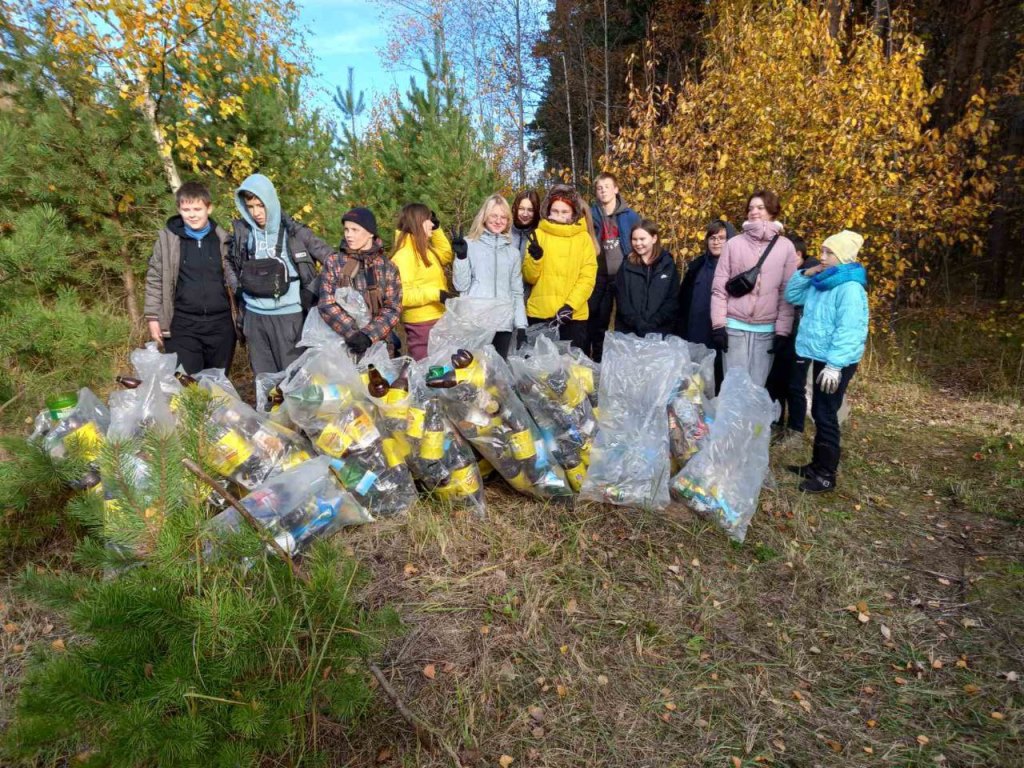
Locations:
(598, 636)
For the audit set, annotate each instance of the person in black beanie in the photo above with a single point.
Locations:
(363, 265)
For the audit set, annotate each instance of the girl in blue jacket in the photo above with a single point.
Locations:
(832, 335)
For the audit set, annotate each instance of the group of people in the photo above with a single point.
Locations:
(556, 261)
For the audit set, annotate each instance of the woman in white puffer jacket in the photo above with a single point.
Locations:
(487, 265)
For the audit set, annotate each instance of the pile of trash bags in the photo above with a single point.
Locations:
(332, 442)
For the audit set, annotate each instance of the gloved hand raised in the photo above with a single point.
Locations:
(459, 245)
(358, 343)
(828, 379)
(564, 315)
(533, 248)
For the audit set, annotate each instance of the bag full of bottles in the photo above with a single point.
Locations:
(688, 415)
(557, 391)
(723, 481)
(147, 398)
(629, 462)
(327, 399)
(481, 401)
(73, 424)
(245, 446)
(298, 506)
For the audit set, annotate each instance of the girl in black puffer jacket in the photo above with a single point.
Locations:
(647, 286)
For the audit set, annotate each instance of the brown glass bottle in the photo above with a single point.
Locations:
(377, 385)
(128, 382)
(184, 379)
(401, 381)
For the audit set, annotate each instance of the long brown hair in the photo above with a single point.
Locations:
(534, 198)
(410, 225)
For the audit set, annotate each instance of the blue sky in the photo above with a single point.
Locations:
(348, 33)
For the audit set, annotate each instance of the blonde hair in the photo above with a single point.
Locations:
(479, 225)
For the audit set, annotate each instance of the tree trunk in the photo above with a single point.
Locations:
(607, 90)
(130, 300)
(568, 116)
(157, 131)
(521, 122)
(836, 10)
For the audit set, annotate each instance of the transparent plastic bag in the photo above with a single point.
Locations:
(245, 446)
(151, 404)
(556, 389)
(327, 398)
(216, 379)
(723, 481)
(81, 432)
(298, 506)
(688, 423)
(480, 399)
(468, 323)
(704, 358)
(629, 464)
(442, 462)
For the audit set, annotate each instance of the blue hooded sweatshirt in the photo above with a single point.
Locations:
(263, 242)
(834, 327)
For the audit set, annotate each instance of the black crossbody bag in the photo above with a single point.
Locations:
(744, 282)
(267, 278)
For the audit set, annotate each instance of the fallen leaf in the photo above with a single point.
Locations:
(835, 746)
(506, 760)
(430, 672)
(962, 662)
(674, 569)
(57, 645)
(670, 706)
(564, 649)
(937, 664)
(922, 740)
(970, 689)
(666, 716)
(602, 680)
(997, 715)
(570, 607)
(863, 618)
(448, 666)
(737, 763)
(385, 754)
(147, 670)
(869, 751)
(327, 672)
(779, 744)
(867, 690)
(969, 623)
(17, 647)
(900, 681)
(862, 606)
(47, 629)
(700, 722)
(1011, 677)
(10, 628)
(485, 630)
(695, 563)
(886, 632)
(944, 582)
(537, 732)
(410, 570)
(561, 690)
(872, 723)
(814, 649)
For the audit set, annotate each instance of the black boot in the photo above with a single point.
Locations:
(802, 470)
(817, 484)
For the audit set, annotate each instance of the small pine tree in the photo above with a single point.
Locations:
(197, 653)
(427, 151)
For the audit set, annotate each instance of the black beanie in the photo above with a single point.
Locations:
(364, 218)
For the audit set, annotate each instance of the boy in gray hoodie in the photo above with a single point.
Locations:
(275, 296)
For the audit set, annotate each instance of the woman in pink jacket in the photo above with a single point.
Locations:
(747, 327)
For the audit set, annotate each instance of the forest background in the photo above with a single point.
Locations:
(903, 120)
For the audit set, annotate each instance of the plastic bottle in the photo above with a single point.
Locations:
(61, 405)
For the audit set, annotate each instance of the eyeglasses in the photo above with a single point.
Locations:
(717, 239)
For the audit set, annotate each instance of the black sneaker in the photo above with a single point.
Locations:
(801, 470)
(816, 484)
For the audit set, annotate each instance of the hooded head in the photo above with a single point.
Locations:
(845, 245)
(257, 192)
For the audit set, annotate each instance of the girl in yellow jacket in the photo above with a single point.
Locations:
(421, 254)
(561, 265)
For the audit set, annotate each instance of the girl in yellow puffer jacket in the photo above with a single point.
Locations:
(421, 253)
(561, 265)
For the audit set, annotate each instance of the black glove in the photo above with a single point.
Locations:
(444, 295)
(720, 339)
(564, 315)
(459, 246)
(434, 220)
(533, 248)
(778, 344)
(520, 337)
(358, 343)
(809, 262)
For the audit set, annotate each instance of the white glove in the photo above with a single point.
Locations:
(828, 379)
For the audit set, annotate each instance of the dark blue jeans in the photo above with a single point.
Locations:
(825, 412)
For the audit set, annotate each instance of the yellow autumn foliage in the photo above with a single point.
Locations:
(834, 126)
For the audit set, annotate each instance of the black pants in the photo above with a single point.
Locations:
(786, 385)
(202, 342)
(825, 410)
(502, 341)
(600, 304)
(574, 331)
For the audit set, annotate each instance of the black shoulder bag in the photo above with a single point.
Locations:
(266, 278)
(744, 282)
